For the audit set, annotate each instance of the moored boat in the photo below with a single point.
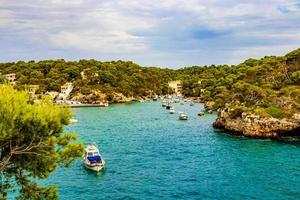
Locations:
(172, 110)
(200, 113)
(104, 104)
(183, 116)
(168, 106)
(73, 120)
(92, 158)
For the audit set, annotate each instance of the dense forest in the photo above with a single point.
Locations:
(269, 86)
(88, 75)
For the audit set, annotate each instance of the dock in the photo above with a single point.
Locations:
(86, 105)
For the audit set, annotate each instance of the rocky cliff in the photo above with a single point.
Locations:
(252, 125)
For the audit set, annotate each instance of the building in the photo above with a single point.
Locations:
(65, 91)
(11, 78)
(176, 86)
(32, 89)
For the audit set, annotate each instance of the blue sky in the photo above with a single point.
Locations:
(167, 33)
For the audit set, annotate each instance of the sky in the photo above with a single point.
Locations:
(166, 33)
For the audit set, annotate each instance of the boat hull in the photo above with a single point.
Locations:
(95, 168)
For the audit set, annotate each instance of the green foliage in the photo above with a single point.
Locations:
(275, 112)
(119, 76)
(296, 77)
(255, 82)
(32, 143)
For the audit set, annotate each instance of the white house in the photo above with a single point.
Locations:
(11, 78)
(66, 89)
(176, 86)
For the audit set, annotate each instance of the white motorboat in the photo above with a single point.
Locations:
(183, 116)
(73, 120)
(104, 104)
(176, 100)
(164, 103)
(92, 159)
(172, 110)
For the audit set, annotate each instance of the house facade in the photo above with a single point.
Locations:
(176, 86)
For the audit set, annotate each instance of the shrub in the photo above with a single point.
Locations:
(275, 111)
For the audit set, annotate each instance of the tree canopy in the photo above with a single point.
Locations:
(32, 143)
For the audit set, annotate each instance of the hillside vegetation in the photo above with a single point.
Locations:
(269, 86)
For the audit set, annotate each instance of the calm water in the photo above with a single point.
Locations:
(150, 154)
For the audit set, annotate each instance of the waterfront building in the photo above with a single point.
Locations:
(176, 86)
(66, 89)
(11, 78)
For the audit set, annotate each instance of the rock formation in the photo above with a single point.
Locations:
(252, 125)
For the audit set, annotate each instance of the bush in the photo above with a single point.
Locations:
(275, 111)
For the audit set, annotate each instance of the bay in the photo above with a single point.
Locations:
(150, 154)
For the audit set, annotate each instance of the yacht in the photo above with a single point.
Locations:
(183, 116)
(92, 159)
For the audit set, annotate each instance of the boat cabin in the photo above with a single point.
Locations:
(92, 155)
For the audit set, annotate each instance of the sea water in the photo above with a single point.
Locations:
(150, 154)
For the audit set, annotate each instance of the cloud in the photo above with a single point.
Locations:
(169, 32)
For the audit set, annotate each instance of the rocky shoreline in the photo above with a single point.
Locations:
(251, 125)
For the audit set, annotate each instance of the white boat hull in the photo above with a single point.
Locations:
(183, 118)
(94, 167)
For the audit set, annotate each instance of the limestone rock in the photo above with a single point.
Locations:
(252, 125)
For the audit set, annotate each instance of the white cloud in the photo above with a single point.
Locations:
(164, 29)
(105, 42)
(67, 2)
(6, 18)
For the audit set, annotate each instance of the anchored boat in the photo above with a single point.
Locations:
(168, 106)
(92, 159)
(172, 110)
(183, 116)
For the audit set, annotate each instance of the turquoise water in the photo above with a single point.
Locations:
(150, 154)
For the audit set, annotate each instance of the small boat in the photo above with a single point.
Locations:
(210, 111)
(73, 120)
(192, 104)
(168, 106)
(200, 113)
(172, 110)
(92, 159)
(164, 103)
(176, 100)
(103, 104)
(183, 116)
